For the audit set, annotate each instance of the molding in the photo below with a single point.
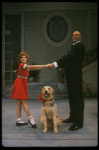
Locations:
(41, 6)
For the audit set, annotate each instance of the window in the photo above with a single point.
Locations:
(57, 28)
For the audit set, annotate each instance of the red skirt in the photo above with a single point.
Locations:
(20, 89)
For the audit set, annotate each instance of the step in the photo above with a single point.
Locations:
(36, 85)
(33, 94)
(34, 89)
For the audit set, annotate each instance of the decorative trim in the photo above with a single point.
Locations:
(41, 6)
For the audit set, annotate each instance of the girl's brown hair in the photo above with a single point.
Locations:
(23, 54)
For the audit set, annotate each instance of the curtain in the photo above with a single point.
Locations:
(16, 36)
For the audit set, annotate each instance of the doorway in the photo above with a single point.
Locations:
(11, 47)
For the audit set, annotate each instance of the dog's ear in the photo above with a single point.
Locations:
(53, 91)
(42, 90)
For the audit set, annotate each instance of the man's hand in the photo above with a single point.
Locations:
(50, 66)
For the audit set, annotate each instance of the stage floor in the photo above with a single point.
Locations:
(26, 136)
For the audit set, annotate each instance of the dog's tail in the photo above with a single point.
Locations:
(59, 120)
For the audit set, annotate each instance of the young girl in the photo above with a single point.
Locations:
(20, 88)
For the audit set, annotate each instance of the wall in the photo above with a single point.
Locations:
(39, 50)
(43, 52)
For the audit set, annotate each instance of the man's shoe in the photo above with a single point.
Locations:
(33, 125)
(74, 127)
(21, 124)
(67, 121)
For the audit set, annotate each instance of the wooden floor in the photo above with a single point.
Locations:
(26, 136)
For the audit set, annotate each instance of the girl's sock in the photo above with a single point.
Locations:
(31, 120)
(19, 120)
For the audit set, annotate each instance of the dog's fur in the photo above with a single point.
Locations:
(49, 117)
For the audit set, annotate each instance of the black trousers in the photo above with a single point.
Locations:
(76, 101)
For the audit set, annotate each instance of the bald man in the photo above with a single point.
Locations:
(72, 62)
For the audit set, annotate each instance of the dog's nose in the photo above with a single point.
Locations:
(45, 92)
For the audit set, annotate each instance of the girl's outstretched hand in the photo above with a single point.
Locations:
(51, 66)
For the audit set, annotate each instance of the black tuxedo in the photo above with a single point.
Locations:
(72, 62)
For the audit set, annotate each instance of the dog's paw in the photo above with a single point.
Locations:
(55, 131)
(45, 130)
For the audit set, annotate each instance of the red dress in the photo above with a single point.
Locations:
(20, 87)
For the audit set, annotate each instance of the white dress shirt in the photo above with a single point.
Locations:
(55, 63)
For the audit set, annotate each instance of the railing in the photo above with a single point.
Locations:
(90, 56)
(90, 76)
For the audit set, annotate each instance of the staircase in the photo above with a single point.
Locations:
(34, 89)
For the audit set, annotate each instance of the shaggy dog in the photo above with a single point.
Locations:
(49, 118)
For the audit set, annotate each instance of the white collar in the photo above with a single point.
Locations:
(76, 42)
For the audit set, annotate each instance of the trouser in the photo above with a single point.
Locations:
(76, 101)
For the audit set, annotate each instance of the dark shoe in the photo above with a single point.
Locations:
(33, 125)
(21, 124)
(74, 127)
(67, 121)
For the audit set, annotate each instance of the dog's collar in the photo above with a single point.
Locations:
(41, 99)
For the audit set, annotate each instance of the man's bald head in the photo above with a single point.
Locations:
(76, 36)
